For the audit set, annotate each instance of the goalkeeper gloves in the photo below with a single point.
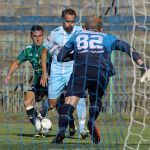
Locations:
(145, 73)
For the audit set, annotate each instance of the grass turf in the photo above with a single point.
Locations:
(16, 133)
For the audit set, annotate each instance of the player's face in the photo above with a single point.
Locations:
(37, 37)
(68, 22)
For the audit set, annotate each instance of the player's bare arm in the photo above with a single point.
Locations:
(44, 77)
(12, 69)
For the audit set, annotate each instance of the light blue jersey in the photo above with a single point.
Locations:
(60, 72)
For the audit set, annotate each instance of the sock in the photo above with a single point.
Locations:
(65, 115)
(93, 114)
(61, 101)
(31, 113)
(71, 122)
(44, 108)
(94, 108)
(81, 112)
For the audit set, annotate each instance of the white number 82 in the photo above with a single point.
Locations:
(92, 42)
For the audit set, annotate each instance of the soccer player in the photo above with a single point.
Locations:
(32, 53)
(60, 72)
(92, 70)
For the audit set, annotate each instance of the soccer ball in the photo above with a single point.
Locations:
(43, 125)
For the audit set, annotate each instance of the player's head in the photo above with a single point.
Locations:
(37, 35)
(69, 17)
(93, 23)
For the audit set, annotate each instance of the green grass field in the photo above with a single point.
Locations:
(16, 133)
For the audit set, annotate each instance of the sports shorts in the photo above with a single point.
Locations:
(59, 77)
(39, 91)
(90, 78)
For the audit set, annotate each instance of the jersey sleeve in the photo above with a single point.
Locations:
(48, 43)
(65, 52)
(108, 41)
(126, 47)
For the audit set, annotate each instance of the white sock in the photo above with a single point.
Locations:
(81, 112)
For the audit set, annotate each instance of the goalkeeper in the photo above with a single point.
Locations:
(92, 70)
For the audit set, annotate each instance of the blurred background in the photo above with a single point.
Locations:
(126, 97)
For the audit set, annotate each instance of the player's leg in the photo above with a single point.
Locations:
(56, 85)
(40, 92)
(66, 76)
(29, 106)
(66, 111)
(72, 127)
(94, 110)
(61, 101)
(44, 108)
(81, 113)
(65, 114)
(96, 91)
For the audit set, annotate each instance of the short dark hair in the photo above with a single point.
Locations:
(68, 11)
(36, 28)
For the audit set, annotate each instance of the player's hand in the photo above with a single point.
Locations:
(145, 77)
(44, 80)
(6, 80)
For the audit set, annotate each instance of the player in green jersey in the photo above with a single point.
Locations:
(31, 53)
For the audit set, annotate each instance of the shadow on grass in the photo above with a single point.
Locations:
(32, 135)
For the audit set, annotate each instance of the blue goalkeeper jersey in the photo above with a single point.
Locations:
(93, 49)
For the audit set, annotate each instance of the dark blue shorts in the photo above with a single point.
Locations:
(87, 77)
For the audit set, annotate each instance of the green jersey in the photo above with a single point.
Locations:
(32, 53)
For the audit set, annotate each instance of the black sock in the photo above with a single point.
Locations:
(61, 101)
(71, 122)
(93, 114)
(31, 113)
(44, 109)
(65, 115)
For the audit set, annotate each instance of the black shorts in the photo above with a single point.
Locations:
(91, 78)
(39, 91)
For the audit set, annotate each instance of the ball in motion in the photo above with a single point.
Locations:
(43, 125)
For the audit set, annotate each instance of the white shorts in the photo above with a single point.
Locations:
(59, 77)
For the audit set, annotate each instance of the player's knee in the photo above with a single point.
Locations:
(28, 102)
(52, 103)
(66, 110)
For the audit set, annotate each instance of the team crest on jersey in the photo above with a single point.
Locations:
(30, 46)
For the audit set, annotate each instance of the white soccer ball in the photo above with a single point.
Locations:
(43, 125)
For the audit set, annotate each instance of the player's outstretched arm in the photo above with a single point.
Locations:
(125, 47)
(14, 66)
(65, 55)
(145, 71)
(44, 76)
